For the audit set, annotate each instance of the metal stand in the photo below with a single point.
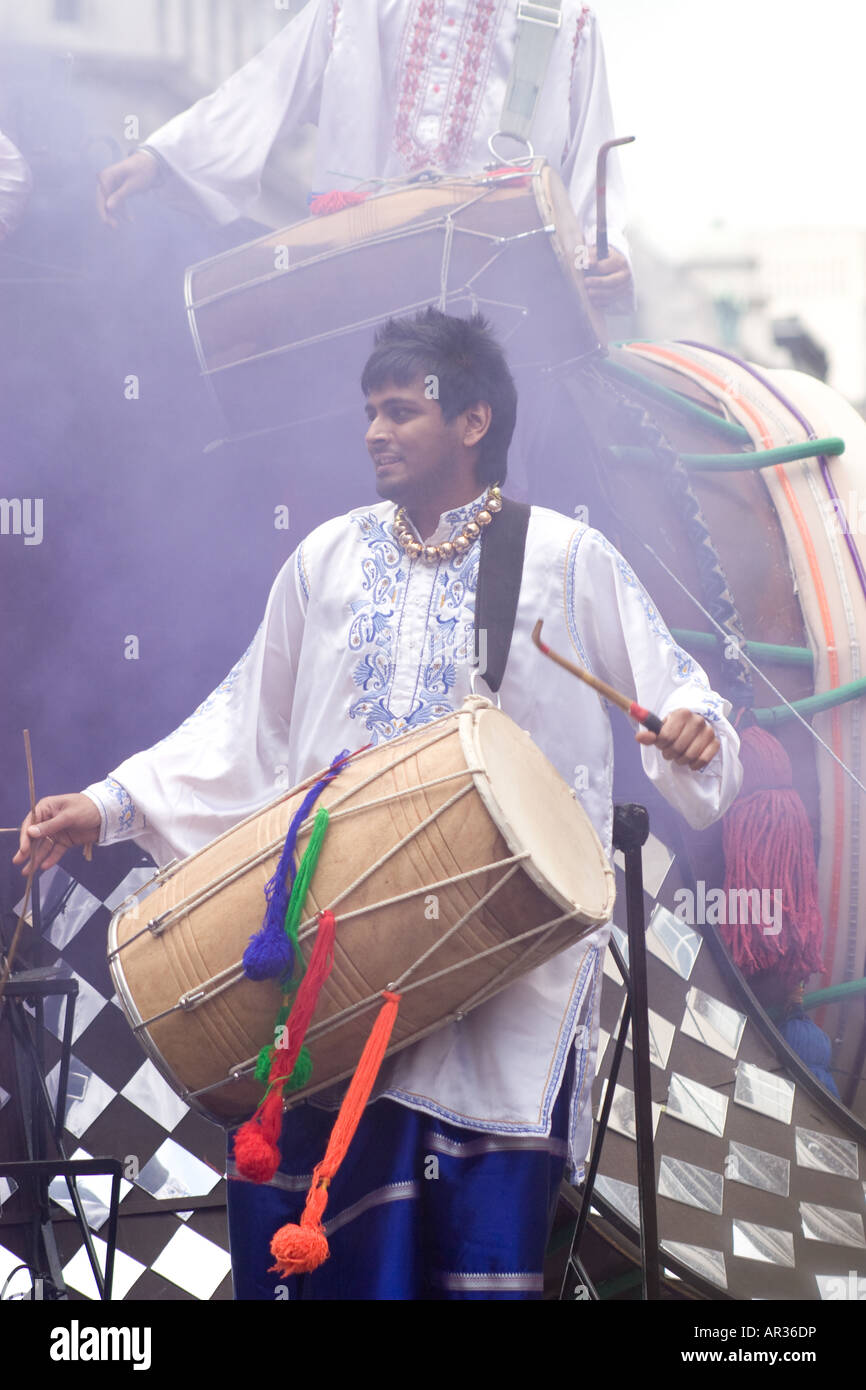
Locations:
(630, 831)
(39, 1119)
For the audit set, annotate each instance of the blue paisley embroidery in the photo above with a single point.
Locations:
(374, 629)
(124, 801)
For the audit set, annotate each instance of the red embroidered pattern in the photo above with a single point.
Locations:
(464, 90)
(461, 118)
(579, 28)
(333, 16)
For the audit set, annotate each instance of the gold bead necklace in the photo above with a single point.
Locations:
(446, 550)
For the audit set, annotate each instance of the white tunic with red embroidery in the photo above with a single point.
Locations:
(396, 86)
(360, 644)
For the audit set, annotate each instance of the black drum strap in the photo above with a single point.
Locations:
(500, 571)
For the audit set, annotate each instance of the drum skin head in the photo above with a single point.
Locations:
(536, 810)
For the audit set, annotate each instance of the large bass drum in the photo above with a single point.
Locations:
(455, 860)
(283, 325)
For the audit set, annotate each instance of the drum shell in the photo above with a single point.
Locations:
(196, 1048)
(282, 325)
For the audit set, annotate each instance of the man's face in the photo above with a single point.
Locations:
(417, 454)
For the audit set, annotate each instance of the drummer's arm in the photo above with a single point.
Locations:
(211, 156)
(220, 764)
(694, 761)
(608, 282)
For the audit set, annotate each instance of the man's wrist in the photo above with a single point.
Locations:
(163, 169)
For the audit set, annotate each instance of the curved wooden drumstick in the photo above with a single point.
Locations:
(601, 245)
(643, 716)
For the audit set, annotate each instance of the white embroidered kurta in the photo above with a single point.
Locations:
(16, 182)
(396, 86)
(359, 644)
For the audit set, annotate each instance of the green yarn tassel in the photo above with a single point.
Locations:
(302, 1072)
(303, 878)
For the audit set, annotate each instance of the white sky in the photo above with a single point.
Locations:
(750, 111)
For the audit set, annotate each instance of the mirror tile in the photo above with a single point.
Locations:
(767, 1243)
(94, 1193)
(151, 1093)
(8, 1188)
(79, 1276)
(827, 1153)
(19, 1284)
(758, 1168)
(78, 906)
(661, 1039)
(764, 1091)
(174, 1172)
(88, 1003)
(673, 941)
(87, 1095)
(697, 1105)
(193, 1263)
(833, 1225)
(622, 1117)
(713, 1023)
(704, 1261)
(622, 1196)
(695, 1187)
(656, 860)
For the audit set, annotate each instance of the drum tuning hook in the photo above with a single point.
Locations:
(474, 676)
(502, 159)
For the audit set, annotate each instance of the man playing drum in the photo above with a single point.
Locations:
(395, 87)
(448, 1189)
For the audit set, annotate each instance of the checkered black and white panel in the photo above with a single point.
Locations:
(759, 1172)
(172, 1236)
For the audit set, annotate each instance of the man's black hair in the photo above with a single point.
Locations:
(468, 366)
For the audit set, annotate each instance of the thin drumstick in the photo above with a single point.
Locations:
(643, 716)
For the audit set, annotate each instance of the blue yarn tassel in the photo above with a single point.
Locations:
(270, 953)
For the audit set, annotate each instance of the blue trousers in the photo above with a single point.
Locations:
(418, 1210)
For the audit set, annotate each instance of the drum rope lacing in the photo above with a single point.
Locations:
(200, 996)
(384, 238)
(174, 914)
(360, 1006)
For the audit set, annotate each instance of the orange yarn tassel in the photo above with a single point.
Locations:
(299, 1249)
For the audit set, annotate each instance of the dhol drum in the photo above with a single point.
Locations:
(455, 859)
(283, 324)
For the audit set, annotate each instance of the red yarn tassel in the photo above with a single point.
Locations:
(768, 845)
(257, 1153)
(335, 201)
(298, 1249)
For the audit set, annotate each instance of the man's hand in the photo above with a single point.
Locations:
(57, 823)
(135, 174)
(685, 738)
(606, 280)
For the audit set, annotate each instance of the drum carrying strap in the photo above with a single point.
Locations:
(500, 571)
(537, 27)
